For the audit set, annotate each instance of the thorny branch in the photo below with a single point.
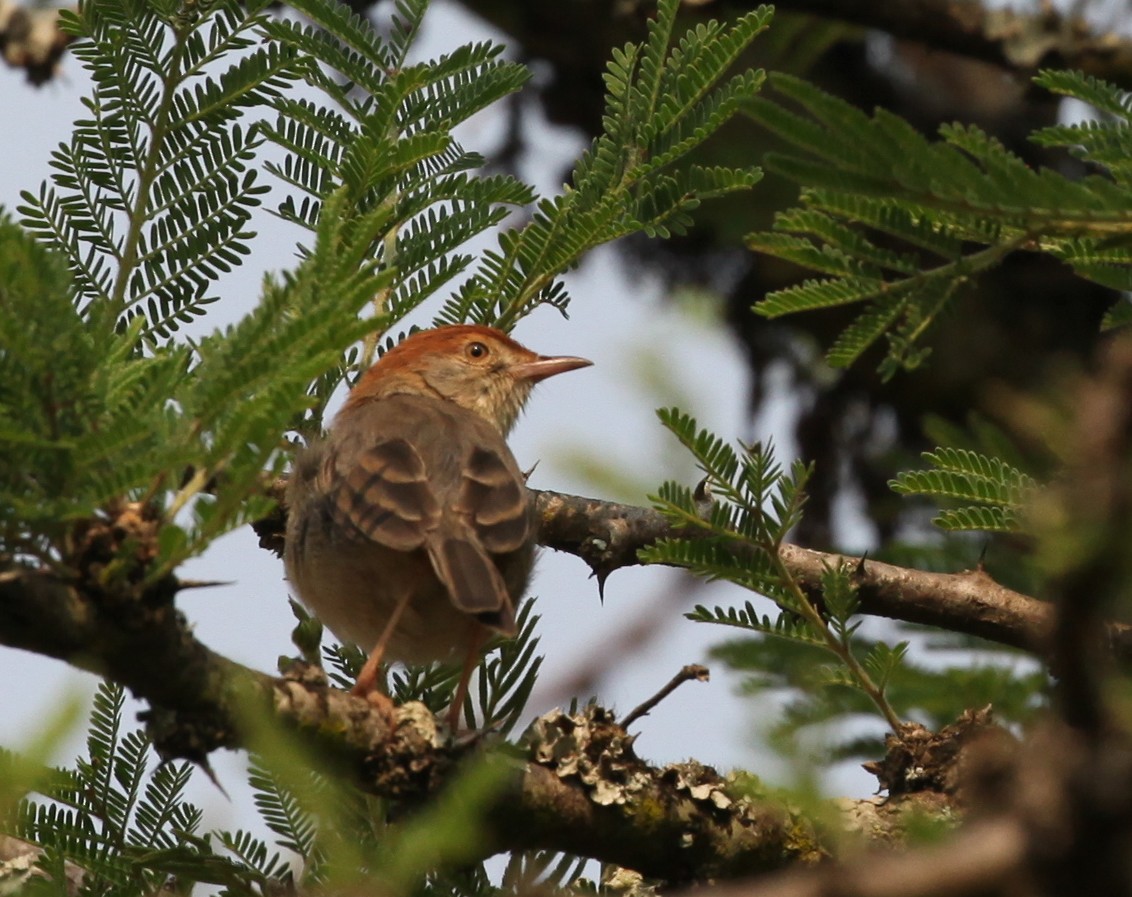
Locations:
(575, 783)
(676, 823)
(608, 535)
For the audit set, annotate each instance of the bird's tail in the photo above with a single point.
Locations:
(474, 583)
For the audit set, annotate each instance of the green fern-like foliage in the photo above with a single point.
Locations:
(996, 490)
(79, 409)
(662, 101)
(506, 677)
(929, 685)
(147, 209)
(897, 223)
(152, 193)
(153, 201)
(385, 132)
(119, 822)
(732, 527)
(740, 514)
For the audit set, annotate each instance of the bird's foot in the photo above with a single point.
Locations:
(378, 700)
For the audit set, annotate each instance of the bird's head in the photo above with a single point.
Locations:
(479, 368)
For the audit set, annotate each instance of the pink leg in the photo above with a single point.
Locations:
(476, 637)
(366, 686)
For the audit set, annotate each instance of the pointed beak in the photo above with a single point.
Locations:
(547, 366)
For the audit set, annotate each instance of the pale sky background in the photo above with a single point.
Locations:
(648, 351)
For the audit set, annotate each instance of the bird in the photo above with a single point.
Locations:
(410, 529)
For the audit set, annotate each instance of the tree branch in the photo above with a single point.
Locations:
(607, 536)
(30, 39)
(989, 857)
(1023, 40)
(576, 783)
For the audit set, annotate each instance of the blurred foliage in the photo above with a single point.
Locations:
(899, 223)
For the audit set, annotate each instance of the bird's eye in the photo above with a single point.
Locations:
(476, 350)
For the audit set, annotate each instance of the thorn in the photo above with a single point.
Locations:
(703, 498)
(183, 584)
(527, 473)
(860, 571)
(983, 556)
(208, 771)
(601, 576)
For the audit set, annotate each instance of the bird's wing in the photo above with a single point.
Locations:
(383, 494)
(491, 516)
(406, 492)
(494, 500)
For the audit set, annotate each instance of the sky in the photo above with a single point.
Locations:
(649, 350)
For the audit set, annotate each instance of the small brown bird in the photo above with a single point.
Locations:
(409, 527)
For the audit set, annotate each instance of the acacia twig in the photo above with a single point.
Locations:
(687, 674)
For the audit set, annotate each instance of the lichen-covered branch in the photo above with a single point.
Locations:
(575, 782)
(18, 869)
(576, 785)
(30, 39)
(1023, 39)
